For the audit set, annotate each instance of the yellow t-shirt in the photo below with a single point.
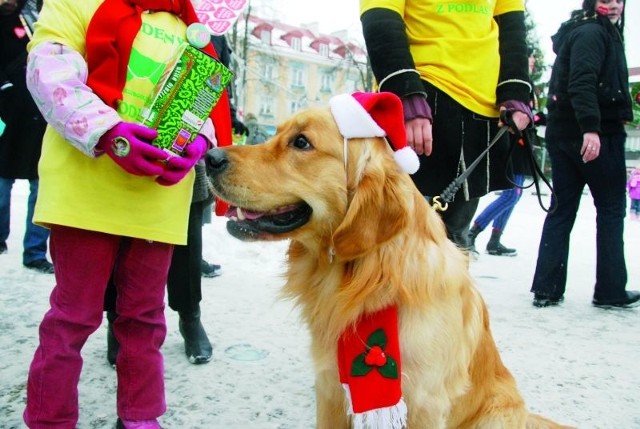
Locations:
(454, 45)
(95, 193)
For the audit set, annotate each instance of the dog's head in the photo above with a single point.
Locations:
(308, 185)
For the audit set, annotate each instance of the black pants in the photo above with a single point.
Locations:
(606, 177)
(457, 219)
(184, 283)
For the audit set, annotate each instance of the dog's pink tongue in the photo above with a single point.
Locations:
(237, 213)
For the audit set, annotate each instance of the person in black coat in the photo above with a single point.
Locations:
(21, 141)
(588, 105)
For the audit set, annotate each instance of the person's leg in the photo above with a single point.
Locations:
(457, 218)
(184, 281)
(83, 261)
(207, 212)
(511, 198)
(208, 269)
(550, 277)
(184, 287)
(140, 275)
(110, 309)
(5, 211)
(493, 211)
(606, 177)
(635, 209)
(35, 236)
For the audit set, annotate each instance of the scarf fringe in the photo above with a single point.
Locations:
(394, 417)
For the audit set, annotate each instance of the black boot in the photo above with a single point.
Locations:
(112, 343)
(473, 233)
(494, 247)
(471, 240)
(197, 346)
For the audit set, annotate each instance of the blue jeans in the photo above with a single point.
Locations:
(501, 208)
(606, 178)
(35, 236)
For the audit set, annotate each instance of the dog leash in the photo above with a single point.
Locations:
(441, 202)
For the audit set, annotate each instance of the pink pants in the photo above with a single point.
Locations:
(83, 261)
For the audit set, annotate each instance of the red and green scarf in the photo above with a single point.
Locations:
(110, 36)
(370, 371)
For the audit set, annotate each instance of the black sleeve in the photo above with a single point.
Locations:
(3, 78)
(587, 55)
(514, 70)
(388, 49)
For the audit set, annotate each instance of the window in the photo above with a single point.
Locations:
(326, 82)
(266, 105)
(297, 77)
(267, 71)
(324, 49)
(293, 107)
(265, 37)
(296, 43)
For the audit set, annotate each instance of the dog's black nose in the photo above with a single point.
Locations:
(216, 161)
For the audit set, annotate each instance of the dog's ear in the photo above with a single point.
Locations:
(377, 212)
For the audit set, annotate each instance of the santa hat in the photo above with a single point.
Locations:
(375, 114)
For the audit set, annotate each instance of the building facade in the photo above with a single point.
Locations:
(281, 68)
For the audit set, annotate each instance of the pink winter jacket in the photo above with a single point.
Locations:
(633, 185)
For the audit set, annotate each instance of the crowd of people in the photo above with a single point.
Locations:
(94, 159)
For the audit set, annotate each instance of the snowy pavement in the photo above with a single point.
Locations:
(574, 363)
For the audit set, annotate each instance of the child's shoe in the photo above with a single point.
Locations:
(137, 424)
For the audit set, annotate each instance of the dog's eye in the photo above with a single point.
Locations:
(301, 142)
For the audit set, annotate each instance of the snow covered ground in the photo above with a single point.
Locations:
(574, 363)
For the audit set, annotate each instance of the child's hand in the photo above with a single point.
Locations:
(178, 166)
(129, 145)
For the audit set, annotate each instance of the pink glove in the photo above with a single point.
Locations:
(178, 166)
(129, 145)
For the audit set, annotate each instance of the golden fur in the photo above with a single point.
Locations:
(372, 241)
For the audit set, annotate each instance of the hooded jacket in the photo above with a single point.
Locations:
(589, 86)
(21, 142)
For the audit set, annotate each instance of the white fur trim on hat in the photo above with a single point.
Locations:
(352, 119)
(407, 159)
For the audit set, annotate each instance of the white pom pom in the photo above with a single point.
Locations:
(407, 159)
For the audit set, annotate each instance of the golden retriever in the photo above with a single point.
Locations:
(362, 238)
